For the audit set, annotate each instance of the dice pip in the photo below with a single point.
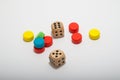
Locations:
(57, 58)
(57, 29)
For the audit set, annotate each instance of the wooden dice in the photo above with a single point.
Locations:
(57, 58)
(57, 29)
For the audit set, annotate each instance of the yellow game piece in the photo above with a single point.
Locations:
(28, 36)
(94, 34)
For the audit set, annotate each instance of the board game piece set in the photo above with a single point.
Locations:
(42, 41)
(57, 57)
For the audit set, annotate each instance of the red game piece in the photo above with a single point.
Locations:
(39, 50)
(76, 38)
(73, 27)
(48, 41)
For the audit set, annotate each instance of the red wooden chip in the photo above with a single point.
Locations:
(73, 27)
(76, 38)
(39, 50)
(48, 41)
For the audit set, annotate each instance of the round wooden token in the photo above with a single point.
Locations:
(39, 42)
(94, 34)
(48, 41)
(73, 27)
(28, 36)
(39, 50)
(76, 38)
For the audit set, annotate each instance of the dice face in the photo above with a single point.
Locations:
(57, 58)
(57, 29)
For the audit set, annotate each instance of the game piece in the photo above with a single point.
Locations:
(39, 42)
(57, 58)
(94, 34)
(57, 29)
(76, 38)
(28, 36)
(40, 35)
(39, 50)
(48, 41)
(73, 27)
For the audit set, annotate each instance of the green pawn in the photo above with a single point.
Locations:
(40, 35)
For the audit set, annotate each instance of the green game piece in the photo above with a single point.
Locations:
(40, 35)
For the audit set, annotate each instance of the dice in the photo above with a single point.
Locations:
(57, 29)
(57, 58)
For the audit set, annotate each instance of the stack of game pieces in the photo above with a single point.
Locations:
(39, 45)
(41, 41)
(76, 37)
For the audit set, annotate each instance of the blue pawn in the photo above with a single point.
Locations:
(39, 42)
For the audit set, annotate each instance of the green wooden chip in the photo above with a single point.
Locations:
(40, 35)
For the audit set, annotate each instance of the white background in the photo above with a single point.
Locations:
(90, 60)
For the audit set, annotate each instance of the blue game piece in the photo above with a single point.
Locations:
(39, 42)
